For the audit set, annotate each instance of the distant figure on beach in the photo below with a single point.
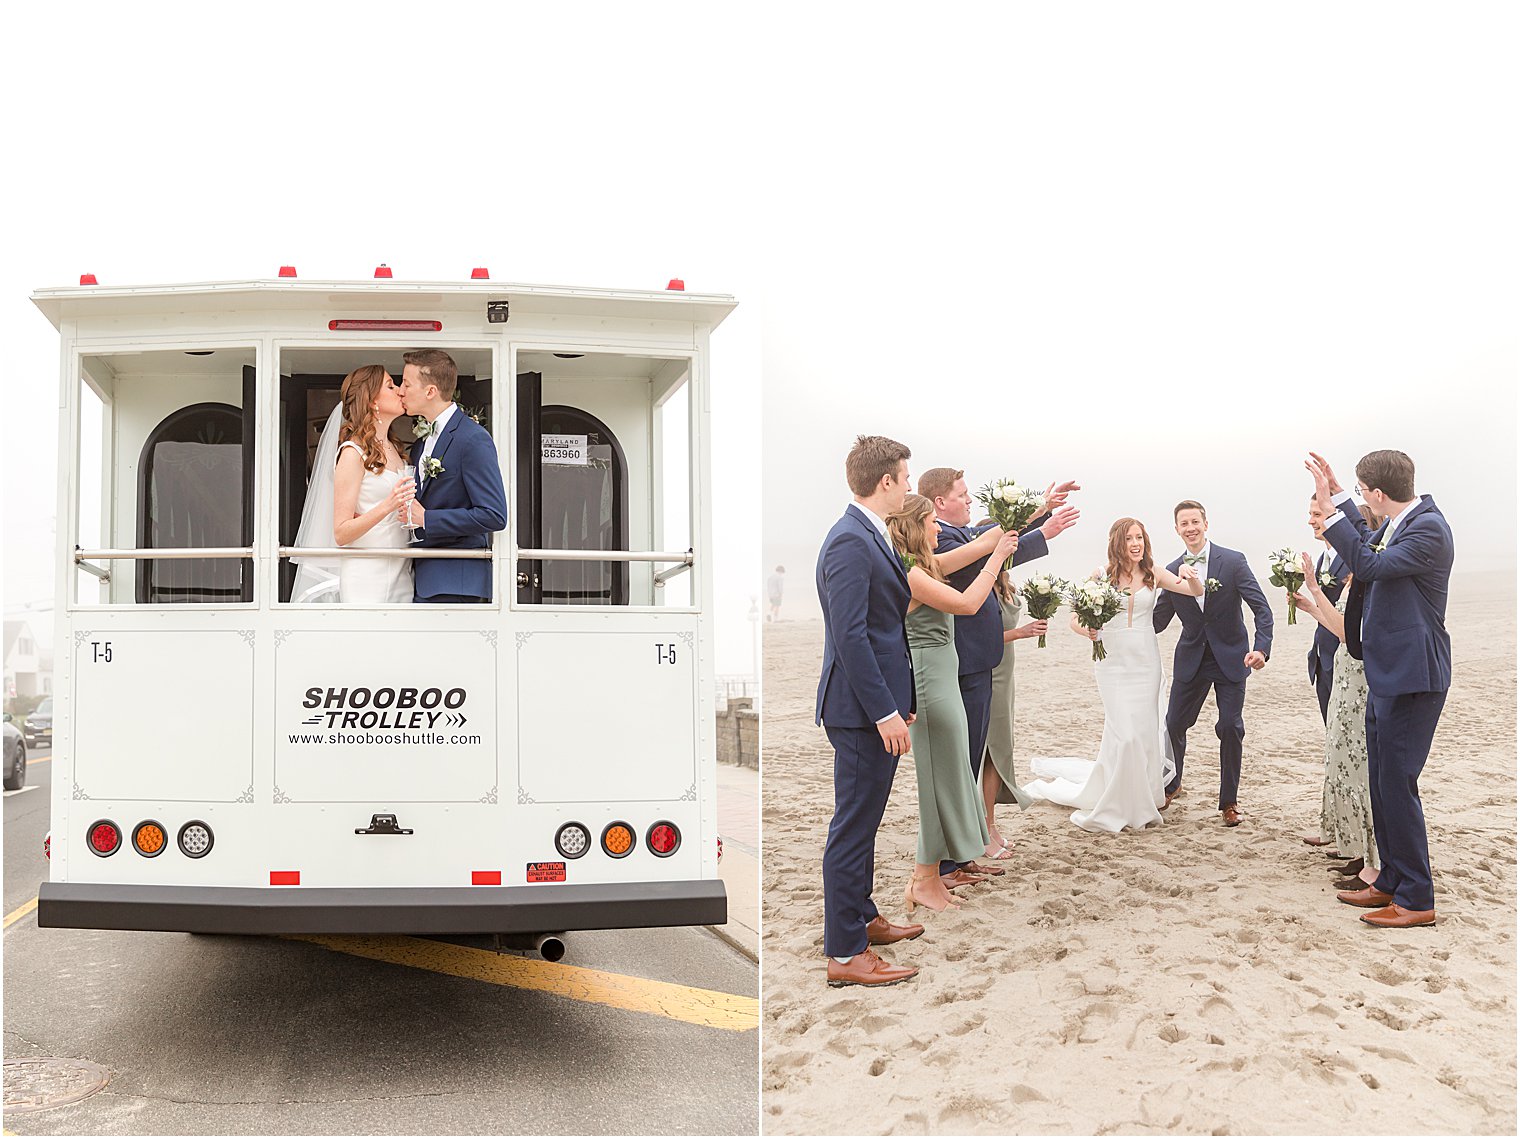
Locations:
(1396, 624)
(773, 587)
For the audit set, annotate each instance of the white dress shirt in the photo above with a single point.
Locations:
(1202, 569)
(1393, 525)
(432, 440)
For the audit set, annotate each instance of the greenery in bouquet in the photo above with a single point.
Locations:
(1287, 573)
(1043, 594)
(1096, 602)
(1011, 506)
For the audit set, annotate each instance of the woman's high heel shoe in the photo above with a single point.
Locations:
(911, 900)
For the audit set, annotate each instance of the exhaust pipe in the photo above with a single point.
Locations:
(549, 946)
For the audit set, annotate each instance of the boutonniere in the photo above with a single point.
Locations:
(1212, 585)
(431, 468)
(1379, 547)
(908, 561)
(1326, 579)
(421, 428)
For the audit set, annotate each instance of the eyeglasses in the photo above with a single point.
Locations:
(1359, 492)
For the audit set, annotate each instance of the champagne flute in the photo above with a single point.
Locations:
(409, 472)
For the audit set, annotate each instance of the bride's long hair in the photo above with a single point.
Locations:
(1118, 556)
(360, 389)
(906, 529)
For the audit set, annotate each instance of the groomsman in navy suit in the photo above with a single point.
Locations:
(865, 704)
(1396, 625)
(1212, 652)
(961, 550)
(1322, 651)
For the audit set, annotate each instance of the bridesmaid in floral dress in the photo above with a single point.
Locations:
(1346, 807)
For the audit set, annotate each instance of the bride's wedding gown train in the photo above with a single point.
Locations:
(1124, 786)
(376, 581)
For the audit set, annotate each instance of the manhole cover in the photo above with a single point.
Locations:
(45, 1081)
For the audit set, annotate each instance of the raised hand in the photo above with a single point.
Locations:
(1309, 579)
(1063, 519)
(1055, 494)
(1335, 486)
(1322, 492)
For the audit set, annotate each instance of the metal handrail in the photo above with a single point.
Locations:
(379, 552)
(685, 558)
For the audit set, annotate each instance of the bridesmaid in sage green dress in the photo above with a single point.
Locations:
(1000, 783)
(951, 823)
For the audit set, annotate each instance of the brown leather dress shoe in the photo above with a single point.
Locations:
(984, 871)
(1369, 897)
(865, 968)
(960, 878)
(1170, 795)
(1397, 917)
(879, 931)
(1232, 815)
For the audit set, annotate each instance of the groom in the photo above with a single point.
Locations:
(460, 499)
(865, 704)
(1396, 625)
(1211, 652)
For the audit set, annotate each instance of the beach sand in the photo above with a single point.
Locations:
(1185, 979)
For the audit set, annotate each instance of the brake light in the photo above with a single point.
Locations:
(385, 326)
(663, 839)
(617, 840)
(105, 838)
(149, 840)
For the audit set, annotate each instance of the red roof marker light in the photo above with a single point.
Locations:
(383, 271)
(287, 270)
(676, 285)
(479, 275)
(88, 279)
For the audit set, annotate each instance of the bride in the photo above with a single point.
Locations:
(357, 489)
(1125, 786)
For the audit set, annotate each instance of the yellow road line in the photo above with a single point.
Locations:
(35, 762)
(705, 1007)
(19, 912)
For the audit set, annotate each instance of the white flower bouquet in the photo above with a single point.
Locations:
(1011, 506)
(1042, 594)
(1095, 602)
(1287, 573)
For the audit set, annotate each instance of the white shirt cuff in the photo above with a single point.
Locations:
(884, 719)
(1340, 497)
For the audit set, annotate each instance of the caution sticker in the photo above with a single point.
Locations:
(546, 872)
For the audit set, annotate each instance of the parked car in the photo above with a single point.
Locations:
(15, 756)
(38, 725)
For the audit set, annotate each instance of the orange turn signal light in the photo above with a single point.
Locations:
(617, 839)
(149, 839)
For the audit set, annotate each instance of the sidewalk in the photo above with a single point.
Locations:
(739, 826)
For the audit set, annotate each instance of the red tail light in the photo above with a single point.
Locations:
(105, 838)
(663, 839)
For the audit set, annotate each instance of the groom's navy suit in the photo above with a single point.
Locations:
(1396, 625)
(463, 505)
(867, 677)
(1211, 653)
(1322, 651)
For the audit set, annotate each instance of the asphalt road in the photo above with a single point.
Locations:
(239, 1035)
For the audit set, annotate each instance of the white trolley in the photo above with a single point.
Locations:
(229, 761)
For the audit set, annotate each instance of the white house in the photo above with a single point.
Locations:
(28, 667)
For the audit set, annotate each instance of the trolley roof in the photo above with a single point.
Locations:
(379, 296)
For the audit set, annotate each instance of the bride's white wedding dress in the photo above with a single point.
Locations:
(1124, 787)
(383, 581)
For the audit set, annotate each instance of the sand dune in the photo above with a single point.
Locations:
(1185, 979)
